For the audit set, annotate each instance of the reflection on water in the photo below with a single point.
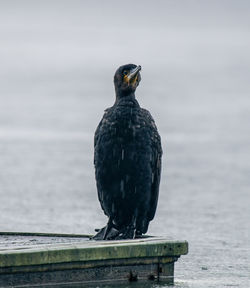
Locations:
(57, 64)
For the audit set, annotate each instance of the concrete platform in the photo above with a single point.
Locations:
(39, 260)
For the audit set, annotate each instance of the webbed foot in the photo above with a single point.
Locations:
(103, 234)
(128, 232)
(109, 232)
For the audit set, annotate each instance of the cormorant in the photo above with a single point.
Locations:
(127, 161)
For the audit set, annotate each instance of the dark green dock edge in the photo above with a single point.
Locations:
(88, 261)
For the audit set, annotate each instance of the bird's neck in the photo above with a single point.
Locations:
(124, 97)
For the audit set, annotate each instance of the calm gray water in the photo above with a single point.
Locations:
(57, 64)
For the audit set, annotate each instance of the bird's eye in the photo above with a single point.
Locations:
(125, 72)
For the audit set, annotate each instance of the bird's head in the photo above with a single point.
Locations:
(126, 79)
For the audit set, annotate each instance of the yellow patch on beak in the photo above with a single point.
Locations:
(130, 81)
(126, 79)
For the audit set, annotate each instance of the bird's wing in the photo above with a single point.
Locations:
(155, 165)
(102, 126)
(156, 175)
(98, 130)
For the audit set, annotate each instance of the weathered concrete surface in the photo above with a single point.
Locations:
(35, 259)
(13, 240)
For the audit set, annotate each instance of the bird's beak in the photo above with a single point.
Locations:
(133, 73)
(133, 77)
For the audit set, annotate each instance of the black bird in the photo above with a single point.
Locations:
(127, 161)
